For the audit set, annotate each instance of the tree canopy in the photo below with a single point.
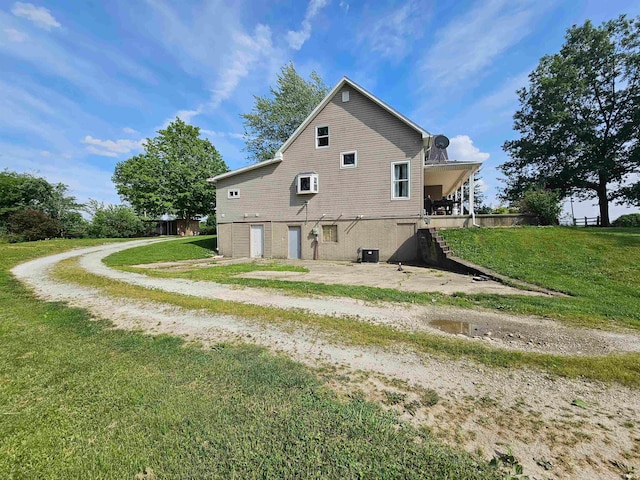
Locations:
(170, 176)
(21, 192)
(274, 118)
(579, 118)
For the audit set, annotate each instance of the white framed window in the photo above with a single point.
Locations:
(401, 180)
(233, 193)
(322, 136)
(307, 183)
(349, 159)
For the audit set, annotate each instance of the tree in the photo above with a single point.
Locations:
(21, 191)
(544, 204)
(274, 119)
(579, 118)
(171, 175)
(115, 221)
(30, 225)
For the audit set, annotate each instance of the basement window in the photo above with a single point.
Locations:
(307, 183)
(330, 233)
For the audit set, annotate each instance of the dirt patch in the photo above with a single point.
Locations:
(484, 409)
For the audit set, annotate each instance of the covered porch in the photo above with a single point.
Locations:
(448, 189)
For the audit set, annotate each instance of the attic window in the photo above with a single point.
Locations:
(345, 96)
(233, 194)
(322, 136)
(307, 183)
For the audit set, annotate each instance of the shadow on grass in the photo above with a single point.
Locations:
(208, 243)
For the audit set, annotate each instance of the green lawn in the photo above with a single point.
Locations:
(598, 267)
(81, 400)
(188, 248)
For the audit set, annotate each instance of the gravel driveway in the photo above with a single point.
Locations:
(480, 407)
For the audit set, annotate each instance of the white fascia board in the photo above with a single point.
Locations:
(358, 88)
(248, 168)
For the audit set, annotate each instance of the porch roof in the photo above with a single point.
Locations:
(451, 175)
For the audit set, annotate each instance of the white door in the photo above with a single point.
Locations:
(257, 241)
(294, 242)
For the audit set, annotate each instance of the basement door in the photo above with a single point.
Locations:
(256, 241)
(294, 242)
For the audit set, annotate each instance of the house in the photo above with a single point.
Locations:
(354, 175)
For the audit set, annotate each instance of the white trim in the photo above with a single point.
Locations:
(346, 81)
(328, 135)
(408, 180)
(355, 157)
(233, 193)
(314, 183)
(277, 159)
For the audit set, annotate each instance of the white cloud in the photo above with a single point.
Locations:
(15, 35)
(297, 38)
(38, 15)
(472, 41)
(394, 31)
(462, 149)
(111, 148)
(45, 153)
(247, 51)
(129, 131)
(216, 134)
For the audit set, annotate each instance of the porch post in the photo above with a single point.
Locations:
(471, 188)
(461, 198)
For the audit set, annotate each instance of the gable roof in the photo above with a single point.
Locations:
(359, 89)
(345, 81)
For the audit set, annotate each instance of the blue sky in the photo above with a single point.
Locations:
(83, 83)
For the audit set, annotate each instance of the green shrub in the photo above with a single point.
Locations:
(628, 220)
(115, 221)
(544, 204)
(29, 225)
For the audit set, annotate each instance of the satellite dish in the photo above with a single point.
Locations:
(441, 142)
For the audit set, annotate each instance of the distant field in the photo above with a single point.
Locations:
(598, 267)
(79, 399)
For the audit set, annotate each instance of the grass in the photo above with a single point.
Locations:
(79, 399)
(188, 248)
(622, 368)
(599, 268)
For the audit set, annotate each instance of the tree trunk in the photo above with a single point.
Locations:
(603, 203)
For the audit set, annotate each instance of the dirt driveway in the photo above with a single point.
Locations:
(482, 409)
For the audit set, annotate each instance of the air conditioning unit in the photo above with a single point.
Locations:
(307, 183)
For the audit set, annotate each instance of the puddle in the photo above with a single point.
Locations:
(460, 328)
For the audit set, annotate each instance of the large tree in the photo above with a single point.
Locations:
(579, 118)
(170, 176)
(274, 118)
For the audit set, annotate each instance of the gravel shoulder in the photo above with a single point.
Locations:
(480, 408)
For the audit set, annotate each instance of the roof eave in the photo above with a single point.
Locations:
(248, 168)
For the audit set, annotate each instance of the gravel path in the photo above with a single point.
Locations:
(479, 408)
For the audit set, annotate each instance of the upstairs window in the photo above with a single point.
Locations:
(307, 183)
(400, 177)
(233, 193)
(348, 159)
(322, 136)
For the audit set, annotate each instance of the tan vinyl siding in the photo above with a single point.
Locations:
(357, 125)
(225, 240)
